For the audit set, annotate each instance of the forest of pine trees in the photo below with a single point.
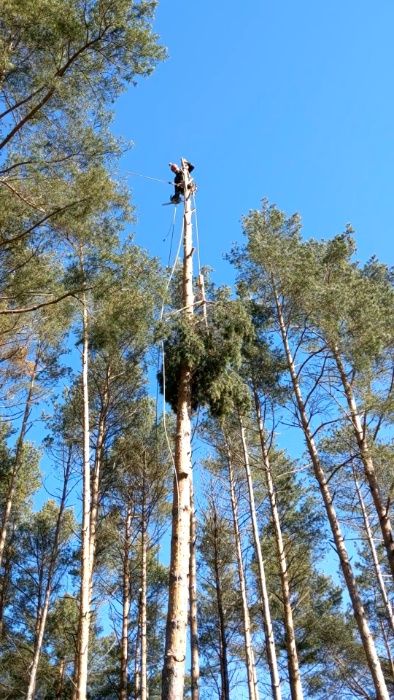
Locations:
(237, 544)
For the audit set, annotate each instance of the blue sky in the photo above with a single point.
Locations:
(292, 101)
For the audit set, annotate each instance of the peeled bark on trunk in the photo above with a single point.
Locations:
(144, 641)
(249, 655)
(194, 650)
(86, 568)
(376, 564)
(366, 458)
(43, 613)
(264, 601)
(124, 646)
(173, 674)
(291, 646)
(17, 462)
(358, 608)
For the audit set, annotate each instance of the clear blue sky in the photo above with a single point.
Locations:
(283, 99)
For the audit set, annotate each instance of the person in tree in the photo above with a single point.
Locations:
(178, 181)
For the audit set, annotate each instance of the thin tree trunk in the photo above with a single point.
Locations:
(124, 646)
(387, 647)
(358, 608)
(43, 613)
(17, 461)
(178, 595)
(225, 689)
(137, 656)
(95, 478)
(291, 646)
(366, 458)
(194, 646)
(249, 655)
(144, 644)
(62, 673)
(84, 608)
(376, 564)
(264, 600)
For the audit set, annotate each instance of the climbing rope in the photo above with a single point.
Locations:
(148, 177)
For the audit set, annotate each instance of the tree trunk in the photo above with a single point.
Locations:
(376, 564)
(95, 478)
(358, 608)
(177, 617)
(264, 601)
(225, 691)
(17, 462)
(366, 458)
(194, 646)
(144, 645)
(86, 569)
(62, 673)
(137, 656)
(249, 655)
(124, 646)
(291, 646)
(43, 612)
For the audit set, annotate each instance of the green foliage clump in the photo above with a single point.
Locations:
(212, 353)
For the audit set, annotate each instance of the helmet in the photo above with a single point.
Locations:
(174, 167)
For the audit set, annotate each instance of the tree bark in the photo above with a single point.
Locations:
(367, 461)
(225, 689)
(95, 478)
(194, 644)
(86, 568)
(144, 641)
(291, 646)
(124, 646)
(62, 673)
(264, 600)
(43, 612)
(177, 616)
(249, 655)
(358, 608)
(374, 554)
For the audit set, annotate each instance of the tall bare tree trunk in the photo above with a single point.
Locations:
(358, 608)
(43, 613)
(194, 647)
(17, 460)
(96, 474)
(144, 641)
(124, 645)
(86, 568)
(249, 655)
(225, 689)
(366, 458)
(291, 646)
(376, 564)
(262, 583)
(137, 656)
(177, 617)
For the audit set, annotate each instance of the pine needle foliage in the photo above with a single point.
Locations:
(212, 352)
